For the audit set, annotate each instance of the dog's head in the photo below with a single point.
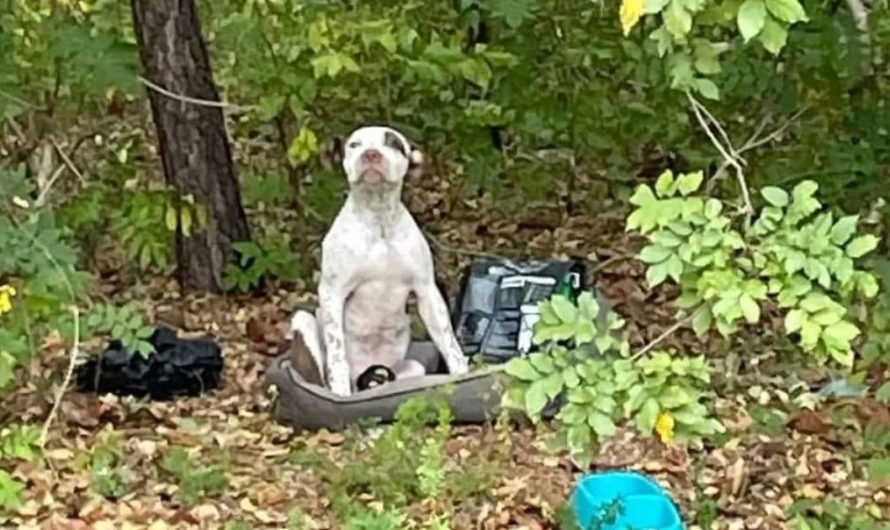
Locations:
(379, 155)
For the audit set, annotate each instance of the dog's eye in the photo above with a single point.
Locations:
(393, 141)
(353, 145)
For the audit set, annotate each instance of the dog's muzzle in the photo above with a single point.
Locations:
(372, 167)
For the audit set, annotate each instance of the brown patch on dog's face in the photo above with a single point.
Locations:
(393, 141)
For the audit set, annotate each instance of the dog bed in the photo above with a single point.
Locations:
(474, 397)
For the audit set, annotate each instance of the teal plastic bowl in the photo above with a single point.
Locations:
(645, 505)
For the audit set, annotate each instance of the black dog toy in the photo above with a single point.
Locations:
(375, 375)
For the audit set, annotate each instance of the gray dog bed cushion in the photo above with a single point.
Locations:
(474, 397)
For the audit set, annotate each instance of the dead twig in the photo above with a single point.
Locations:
(195, 101)
(599, 267)
(69, 374)
(755, 141)
(657, 340)
(732, 160)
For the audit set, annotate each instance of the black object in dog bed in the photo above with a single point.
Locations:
(178, 367)
(473, 397)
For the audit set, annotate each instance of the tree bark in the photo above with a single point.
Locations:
(192, 138)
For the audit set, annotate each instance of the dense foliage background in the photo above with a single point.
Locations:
(569, 104)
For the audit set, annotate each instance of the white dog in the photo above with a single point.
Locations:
(373, 258)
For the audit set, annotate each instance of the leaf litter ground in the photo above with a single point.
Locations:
(773, 453)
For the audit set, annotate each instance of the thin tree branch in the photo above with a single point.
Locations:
(599, 267)
(755, 141)
(195, 101)
(657, 340)
(68, 162)
(41, 197)
(69, 374)
(732, 160)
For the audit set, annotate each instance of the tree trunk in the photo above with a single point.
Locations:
(192, 138)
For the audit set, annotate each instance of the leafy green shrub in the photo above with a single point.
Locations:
(271, 188)
(602, 383)
(109, 475)
(272, 257)
(726, 266)
(124, 323)
(16, 443)
(41, 285)
(405, 465)
(38, 275)
(794, 254)
(140, 223)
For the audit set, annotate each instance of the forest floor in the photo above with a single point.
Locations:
(245, 471)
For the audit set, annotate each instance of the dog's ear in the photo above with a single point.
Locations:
(416, 160)
(332, 155)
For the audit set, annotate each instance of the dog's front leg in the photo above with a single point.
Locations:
(332, 300)
(434, 313)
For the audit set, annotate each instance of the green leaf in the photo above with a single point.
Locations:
(564, 309)
(867, 285)
(652, 7)
(809, 334)
(572, 414)
(775, 196)
(514, 12)
(707, 89)
(701, 320)
(665, 183)
(541, 362)
(643, 196)
(750, 18)
(602, 424)
(689, 182)
(750, 308)
(522, 369)
(10, 492)
(677, 20)
(656, 274)
(844, 229)
(773, 36)
(553, 385)
(861, 246)
(674, 267)
(570, 377)
(789, 11)
(588, 305)
(536, 397)
(794, 320)
(170, 218)
(654, 254)
(579, 437)
(673, 397)
(645, 419)
(841, 332)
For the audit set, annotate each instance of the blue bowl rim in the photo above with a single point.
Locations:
(596, 477)
(674, 520)
(657, 495)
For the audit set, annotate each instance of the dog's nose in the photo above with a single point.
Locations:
(372, 156)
